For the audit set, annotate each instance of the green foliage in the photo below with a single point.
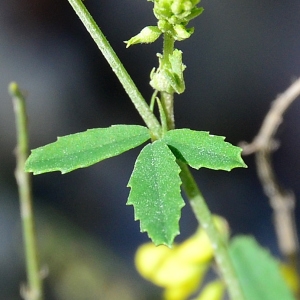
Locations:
(155, 181)
(200, 149)
(155, 193)
(84, 149)
(258, 271)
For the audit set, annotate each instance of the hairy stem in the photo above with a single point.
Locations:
(167, 99)
(118, 68)
(34, 289)
(168, 46)
(204, 218)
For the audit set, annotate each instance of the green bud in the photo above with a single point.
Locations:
(176, 7)
(195, 12)
(164, 25)
(147, 35)
(182, 33)
(188, 5)
(174, 15)
(169, 76)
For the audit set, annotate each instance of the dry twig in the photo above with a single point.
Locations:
(281, 200)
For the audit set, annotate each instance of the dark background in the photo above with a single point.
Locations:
(241, 56)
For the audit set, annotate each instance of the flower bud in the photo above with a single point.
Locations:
(147, 35)
(182, 33)
(169, 76)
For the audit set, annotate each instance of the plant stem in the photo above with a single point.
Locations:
(34, 289)
(168, 47)
(204, 218)
(167, 99)
(118, 68)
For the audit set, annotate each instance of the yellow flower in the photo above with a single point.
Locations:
(180, 269)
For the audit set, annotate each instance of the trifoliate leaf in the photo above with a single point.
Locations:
(83, 149)
(257, 271)
(155, 193)
(200, 149)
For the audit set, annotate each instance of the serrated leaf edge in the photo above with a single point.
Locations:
(67, 170)
(137, 217)
(237, 149)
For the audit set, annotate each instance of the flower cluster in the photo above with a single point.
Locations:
(173, 17)
(181, 269)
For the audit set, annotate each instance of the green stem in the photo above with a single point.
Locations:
(168, 47)
(167, 99)
(204, 218)
(118, 68)
(34, 290)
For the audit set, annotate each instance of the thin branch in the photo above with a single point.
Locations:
(34, 288)
(273, 119)
(281, 200)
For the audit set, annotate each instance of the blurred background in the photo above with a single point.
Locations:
(241, 56)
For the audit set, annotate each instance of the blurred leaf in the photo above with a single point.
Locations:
(155, 193)
(200, 149)
(86, 148)
(258, 271)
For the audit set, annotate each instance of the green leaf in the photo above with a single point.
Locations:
(155, 193)
(257, 271)
(200, 149)
(83, 149)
